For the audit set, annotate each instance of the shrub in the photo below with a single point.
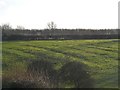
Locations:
(75, 72)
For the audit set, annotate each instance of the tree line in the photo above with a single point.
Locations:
(52, 32)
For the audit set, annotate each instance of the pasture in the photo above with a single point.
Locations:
(67, 63)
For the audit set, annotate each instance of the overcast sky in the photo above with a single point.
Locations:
(94, 14)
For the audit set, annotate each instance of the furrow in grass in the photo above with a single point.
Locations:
(49, 55)
(42, 54)
(19, 53)
(70, 55)
(96, 52)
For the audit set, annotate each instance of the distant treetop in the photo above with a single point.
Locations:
(51, 25)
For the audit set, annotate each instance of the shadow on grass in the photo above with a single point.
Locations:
(18, 84)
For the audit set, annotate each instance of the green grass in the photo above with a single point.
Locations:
(100, 56)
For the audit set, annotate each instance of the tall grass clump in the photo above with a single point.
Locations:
(18, 77)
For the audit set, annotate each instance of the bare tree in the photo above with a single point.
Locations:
(20, 27)
(51, 25)
(6, 26)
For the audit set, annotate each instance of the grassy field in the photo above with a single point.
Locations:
(98, 58)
